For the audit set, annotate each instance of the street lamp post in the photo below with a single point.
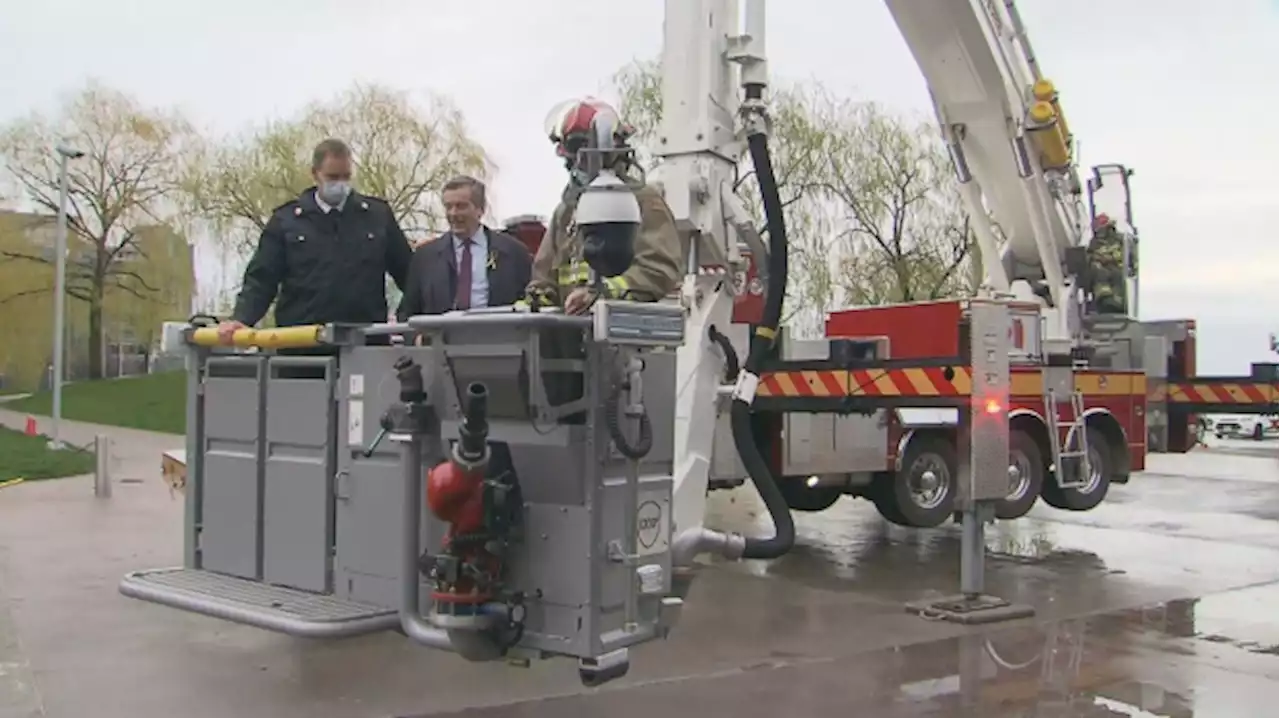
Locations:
(65, 155)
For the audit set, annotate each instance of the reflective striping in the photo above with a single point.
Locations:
(1213, 392)
(916, 381)
(920, 382)
(932, 382)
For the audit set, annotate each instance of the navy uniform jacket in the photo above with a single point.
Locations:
(325, 267)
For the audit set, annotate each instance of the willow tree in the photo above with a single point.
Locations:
(873, 214)
(404, 152)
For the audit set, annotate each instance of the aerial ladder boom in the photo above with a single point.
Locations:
(1008, 142)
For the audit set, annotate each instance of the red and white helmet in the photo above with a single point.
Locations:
(570, 123)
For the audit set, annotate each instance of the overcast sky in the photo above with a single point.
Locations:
(1183, 91)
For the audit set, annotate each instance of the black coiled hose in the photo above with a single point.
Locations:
(644, 442)
(761, 343)
(731, 365)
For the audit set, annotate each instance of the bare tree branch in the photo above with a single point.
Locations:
(115, 191)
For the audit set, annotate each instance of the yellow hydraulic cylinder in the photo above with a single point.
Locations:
(280, 338)
(1044, 91)
(1045, 132)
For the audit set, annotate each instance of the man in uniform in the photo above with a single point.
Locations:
(1107, 267)
(559, 275)
(325, 254)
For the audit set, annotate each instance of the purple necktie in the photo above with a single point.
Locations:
(463, 298)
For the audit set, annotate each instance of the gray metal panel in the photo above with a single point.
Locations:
(231, 519)
(986, 477)
(367, 567)
(298, 483)
(551, 564)
(608, 619)
(193, 497)
(1155, 356)
(368, 490)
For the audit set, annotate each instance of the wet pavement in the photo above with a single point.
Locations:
(1161, 602)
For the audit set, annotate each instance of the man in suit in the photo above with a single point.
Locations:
(469, 267)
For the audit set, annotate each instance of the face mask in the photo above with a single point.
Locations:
(333, 193)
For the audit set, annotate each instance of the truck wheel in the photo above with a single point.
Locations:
(801, 497)
(923, 493)
(1257, 431)
(1095, 489)
(1026, 476)
(880, 493)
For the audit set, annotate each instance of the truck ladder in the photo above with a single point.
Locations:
(1076, 452)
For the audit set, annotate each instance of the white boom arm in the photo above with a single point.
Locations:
(1008, 141)
(698, 147)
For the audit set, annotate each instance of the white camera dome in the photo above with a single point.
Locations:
(607, 200)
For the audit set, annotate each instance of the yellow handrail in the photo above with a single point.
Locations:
(279, 338)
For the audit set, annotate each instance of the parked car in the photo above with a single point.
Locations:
(1252, 427)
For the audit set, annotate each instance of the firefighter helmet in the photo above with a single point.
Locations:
(570, 123)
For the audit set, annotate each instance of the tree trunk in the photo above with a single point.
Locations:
(95, 333)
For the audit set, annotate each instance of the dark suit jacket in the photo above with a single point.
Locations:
(433, 274)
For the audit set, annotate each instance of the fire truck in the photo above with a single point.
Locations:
(545, 476)
(871, 408)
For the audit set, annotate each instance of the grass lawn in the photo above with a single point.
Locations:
(154, 402)
(30, 458)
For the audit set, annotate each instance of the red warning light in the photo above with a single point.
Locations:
(993, 406)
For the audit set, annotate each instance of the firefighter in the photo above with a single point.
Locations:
(324, 255)
(560, 276)
(1107, 267)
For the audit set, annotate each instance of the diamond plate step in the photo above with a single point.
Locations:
(274, 608)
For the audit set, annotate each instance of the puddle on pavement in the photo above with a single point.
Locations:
(1144, 662)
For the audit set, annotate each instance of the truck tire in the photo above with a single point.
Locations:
(801, 497)
(1095, 490)
(923, 493)
(1025, 488)
(880, 493)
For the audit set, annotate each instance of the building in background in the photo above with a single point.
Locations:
(159, 258)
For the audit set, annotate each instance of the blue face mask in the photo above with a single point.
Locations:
(334, 192)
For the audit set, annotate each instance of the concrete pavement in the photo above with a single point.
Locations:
(1168, 590)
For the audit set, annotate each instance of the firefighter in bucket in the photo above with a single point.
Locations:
(1107, 270)
(612, 236)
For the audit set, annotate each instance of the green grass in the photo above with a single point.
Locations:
(30, 458)
(155, 402)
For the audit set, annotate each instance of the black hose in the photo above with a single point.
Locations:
(731, 365)
(473, 435)
(644, 442)
(761, 345)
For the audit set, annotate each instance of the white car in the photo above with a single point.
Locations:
(1252, 427)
